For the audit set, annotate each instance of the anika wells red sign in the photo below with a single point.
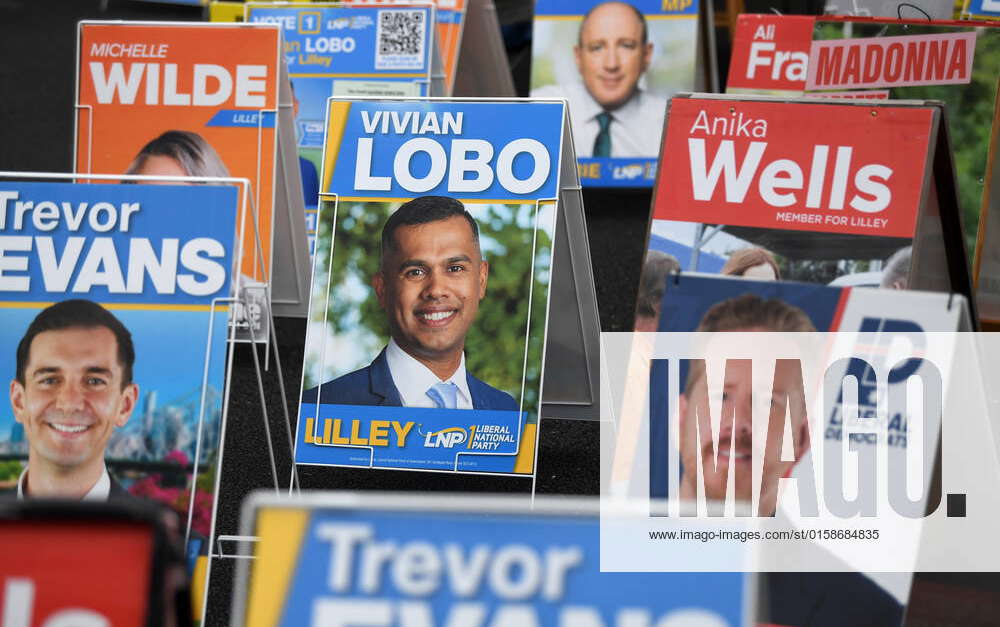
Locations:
(811, 167)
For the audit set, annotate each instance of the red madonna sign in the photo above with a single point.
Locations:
(838, 168)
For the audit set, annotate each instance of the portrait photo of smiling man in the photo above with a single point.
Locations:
(73, 387)
(839, 597)
(617, 105)
(740, 440)
(430, 281)
(609, 113)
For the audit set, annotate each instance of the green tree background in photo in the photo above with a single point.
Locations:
(969, 107)
(495, 346)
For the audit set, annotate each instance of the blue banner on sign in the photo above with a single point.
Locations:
(989, 8)
(448, 17)
(116, 243)
(242, 118)
(311, 133)
(464, 150)
(353, 41)
(434, 439)
(615, 172)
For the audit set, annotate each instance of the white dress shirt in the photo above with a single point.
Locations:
(99, 492)
(635, 127)
(413, 379)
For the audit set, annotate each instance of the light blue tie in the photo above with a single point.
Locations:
(444, 395)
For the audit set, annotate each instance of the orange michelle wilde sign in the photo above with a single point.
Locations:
(182, 100)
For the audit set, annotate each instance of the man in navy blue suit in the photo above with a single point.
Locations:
(431, 279)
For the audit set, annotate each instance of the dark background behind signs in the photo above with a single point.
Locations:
(37, 66)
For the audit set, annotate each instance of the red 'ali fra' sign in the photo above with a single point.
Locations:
(770, 53)
(810, 167)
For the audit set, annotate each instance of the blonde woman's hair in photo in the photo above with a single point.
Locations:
(191, 153)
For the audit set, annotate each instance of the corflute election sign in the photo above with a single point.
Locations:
(771, 165)
(463, 561)
(185, 99)
(345, 50)
(616, 64)
(857, 57)
(754, 186)
(430, 285)
(156, 260)
(449, 24)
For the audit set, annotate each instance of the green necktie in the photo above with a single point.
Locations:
(602, 143)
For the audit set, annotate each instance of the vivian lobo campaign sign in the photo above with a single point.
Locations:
(349, 50)
(184, 100)
(617, 64)
(449, 22)
(813, 191)
(464, 561)
(432, 267)
(346, 50)
(156, 257)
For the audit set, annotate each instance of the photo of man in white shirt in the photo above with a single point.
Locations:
(610, 113)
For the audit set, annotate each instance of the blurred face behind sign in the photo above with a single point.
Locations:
(430, 286)
(611, 54)
(741, 442)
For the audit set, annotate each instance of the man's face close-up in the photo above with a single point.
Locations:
(611, 54)
(72, 396)
(743, 443)
(430, 286)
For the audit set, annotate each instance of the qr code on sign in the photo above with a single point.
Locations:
(400, 40)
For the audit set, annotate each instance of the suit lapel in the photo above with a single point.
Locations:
(380, 382)
(479, 400)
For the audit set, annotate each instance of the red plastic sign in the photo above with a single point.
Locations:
(770, 53)
(809, 167)
(74, 573)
